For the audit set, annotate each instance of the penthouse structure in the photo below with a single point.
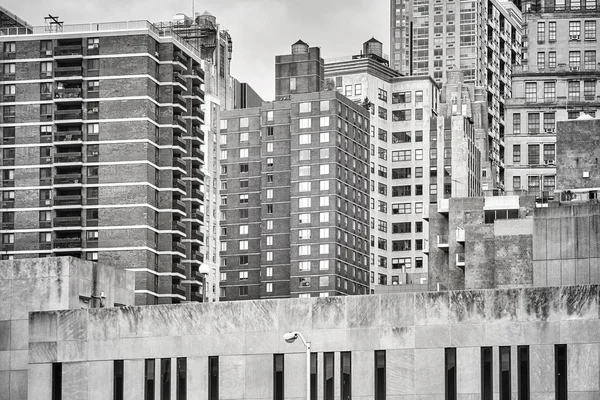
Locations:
(295, 190)
(103, 151)
(400, 122)
(482, 39)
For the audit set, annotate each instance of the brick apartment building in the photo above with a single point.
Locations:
(102, 151)
(295, 190)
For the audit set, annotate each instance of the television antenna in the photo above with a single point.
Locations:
(53, 24)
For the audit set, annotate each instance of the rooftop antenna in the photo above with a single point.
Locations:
(53, 24)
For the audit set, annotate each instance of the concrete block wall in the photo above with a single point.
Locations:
(40, 285)
(414, 329)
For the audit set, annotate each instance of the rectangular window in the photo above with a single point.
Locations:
(533, 154)
(346, 375)
(589, 90)
(551, 59)
(549, 91)
(516, 153)
(590, 30)
(181, 378)
(531, 91)
(574, 90)
(149, 379)
(549, 122)
(541, 31)
(213, 378)
(523, 372)
(380, 382)
(328, 376)
(450, 372)
(56, 381)
(560, 371)
(533, 123)
(165, 379)
(504, 380)
(589, 59)
(313, 373)
(552, 31)
(278, 377)
(118, 380)
(487, 374)
(574, 30)
(574, 60)
(541, 60)
(516, 123)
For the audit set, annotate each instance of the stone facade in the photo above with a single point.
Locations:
(578, 152)
(45, 284)
(413, 329)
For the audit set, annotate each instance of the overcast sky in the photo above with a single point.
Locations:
(260, 29)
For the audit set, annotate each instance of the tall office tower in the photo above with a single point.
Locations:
(295, 191)
(481, 38)
(101, 125)
(401, 111)
(558, 81)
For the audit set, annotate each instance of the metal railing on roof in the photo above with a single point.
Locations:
(102, 27)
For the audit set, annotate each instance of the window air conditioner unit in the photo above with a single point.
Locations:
(549, 130)
(574, 37)
(574, 68)
(48, 202)
(48, 52)
(550, 162)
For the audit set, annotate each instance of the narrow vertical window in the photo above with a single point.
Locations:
(523, 372)
(313, 375)
(278, 377)
(165, 379)
(182, 378)
(149, 380)
(451, 374)
(346, 375)
(487, 373)
(328, 391)
(213, 378)
(118, 380)
(380, 384)
(505, 373)
(560, 371)
(57, 381)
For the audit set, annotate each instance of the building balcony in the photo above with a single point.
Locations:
(197, 173)
(66, 179)
(460, 259)
(197, 72)
(178, 289)
(67, 243)
(178, 226)
(197, 132)
(69, 50)
(69, 72)
(179, 184)
(178, 163)
(67, 221)
(197, 96)
(68, 137)
(178, 268)
(460, 235)
(178, 142)
(179, 57)
(178, 205)
(178, 99)
(72, 157)
(179, 123)
(69, 200)
(442, 242)
(178, 247)
(63, 115)
(177, 78)
(68, 94)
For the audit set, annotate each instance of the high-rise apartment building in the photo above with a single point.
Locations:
(103, 152)
(401, 111)
(558, 81)
(481, 38)
(295, 190)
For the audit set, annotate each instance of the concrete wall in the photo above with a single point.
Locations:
(578, 151)
(46, 284)
(413, 328)
(566, 245)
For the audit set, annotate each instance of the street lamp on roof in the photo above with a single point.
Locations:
(291, 337)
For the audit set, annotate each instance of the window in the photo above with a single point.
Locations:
(269, 287)
(348, 90)
(530, 91)
(328, 376)
(549, 91)
(213, 378)
(516, 153)
(244, 122)
(560, 371)
(551, 59)
(401, 97)
(181, 378)
(523, 372)
(504, 380)
(533, 154)
(516, 182)
(165, 379)
(574, 90)
(589, 59)
(549, 122)
(304, 170)
(358, 89)
(93, 43)
(243, 153)
(324, 137)
(401, 115)
(243, 275)
(380, 375)
(589, 90)
(93, 86)
(346, 375)
(324, 201)
(541, 32)
(304, 250)
(304, 266)
(149, 379)
(401, 155)
(293, 83)
(10, 47)
(10, 90)
(401, 208)
(324, 169)
(552, 31)
(323, 185)
(304, 107)
(243, 290)
(574, 60)
(450, 373)
(9, 69)
(516, 123)
(304, 218)
(382, 113)
(323, 249)
(487, 373)
(574, 30)
(56, 381)
(533, 123)
(303, 282)
(590, 30)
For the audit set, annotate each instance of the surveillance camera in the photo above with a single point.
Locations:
(290, 337)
